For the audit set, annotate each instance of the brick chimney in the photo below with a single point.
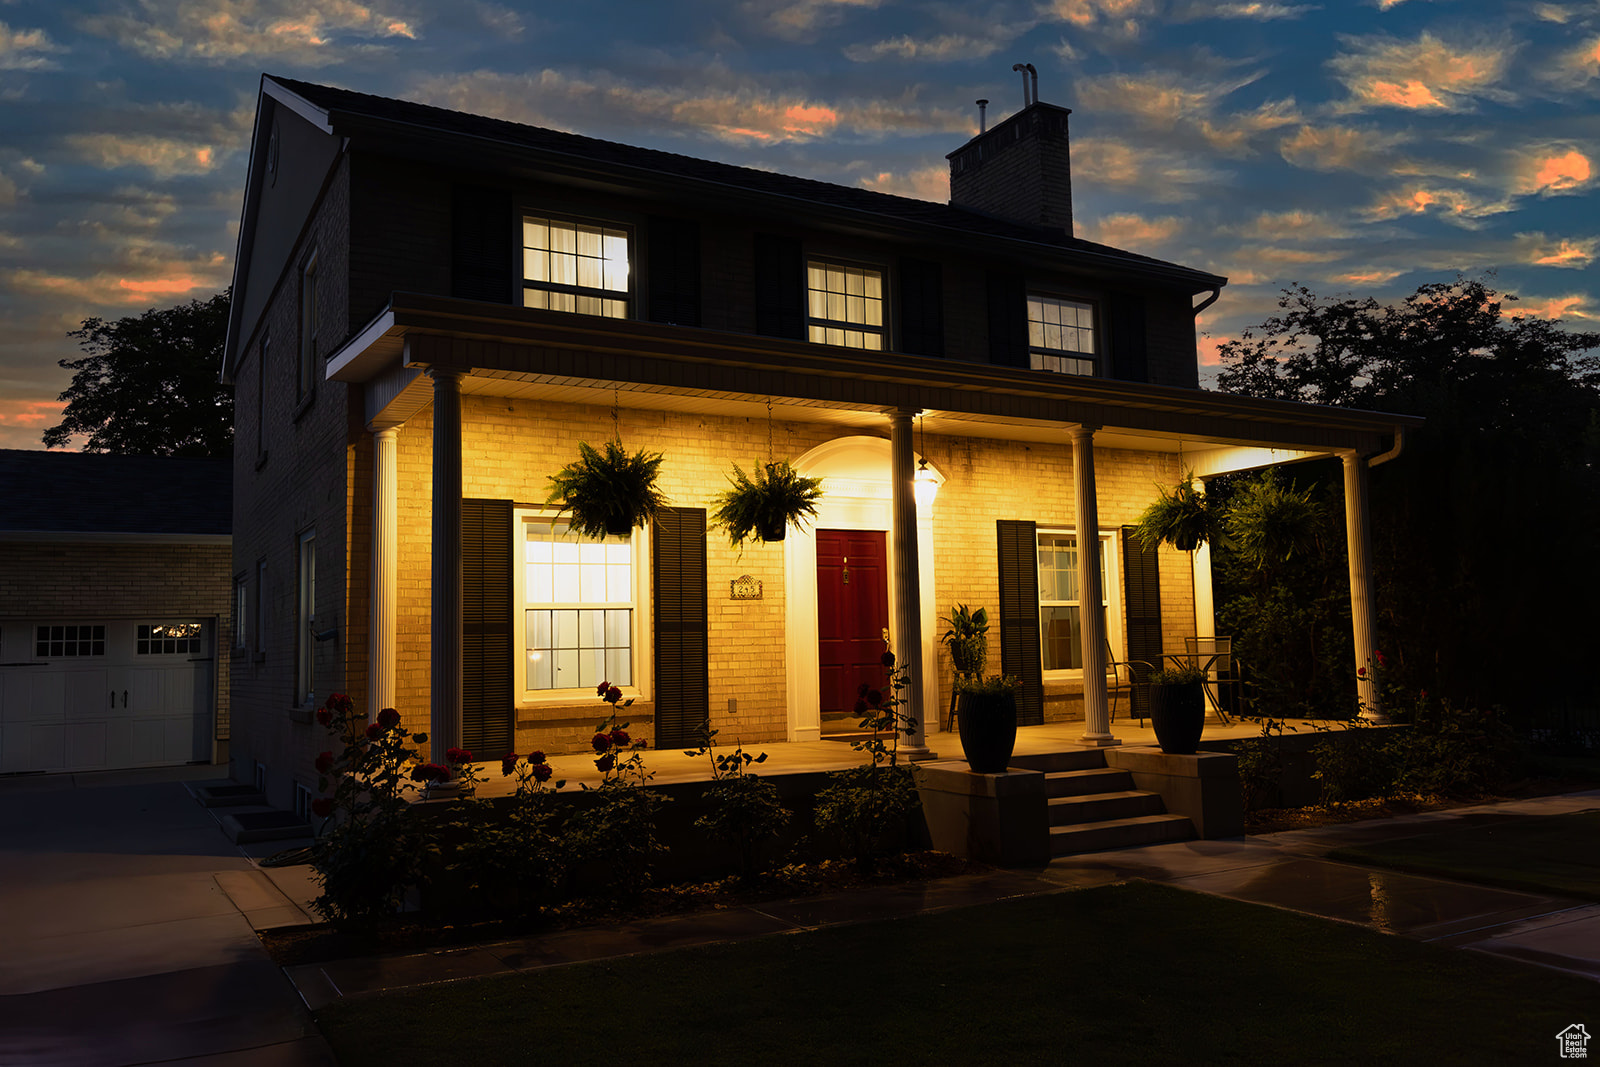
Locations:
(1019, 170)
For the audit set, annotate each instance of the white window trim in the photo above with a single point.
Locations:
(1112, 592)
(643, 625)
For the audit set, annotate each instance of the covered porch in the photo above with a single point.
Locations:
(431, 359)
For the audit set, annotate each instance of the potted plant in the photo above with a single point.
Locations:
(1178, 708)
(608, 492)
(988, 721)
(1180, 517)
(763, 509)
(968, 639)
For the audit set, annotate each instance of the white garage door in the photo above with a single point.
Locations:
(96, 694)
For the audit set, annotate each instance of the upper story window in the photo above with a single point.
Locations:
(575, 266)
(1061, 335)
(306, 379)
(844, 305)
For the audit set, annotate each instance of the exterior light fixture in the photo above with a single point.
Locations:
(926, 485)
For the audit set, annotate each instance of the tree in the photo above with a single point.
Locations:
(148, 385)
(1485, 528)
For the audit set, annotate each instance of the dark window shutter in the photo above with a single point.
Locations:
(921, 307)
(674, 271)
(1128, 358)
(1019, 616)
(780, 287)
(481, 232)
(1141, 603)
(678, 583)
(1008, 320)
(487, 713)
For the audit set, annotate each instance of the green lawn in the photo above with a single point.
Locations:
(1556, 854)
(1129, 974)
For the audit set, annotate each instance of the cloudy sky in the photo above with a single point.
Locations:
(1355, 147)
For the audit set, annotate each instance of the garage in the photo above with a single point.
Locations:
(98, 694)
(116, 611)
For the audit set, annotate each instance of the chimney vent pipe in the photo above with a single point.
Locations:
(983, 121)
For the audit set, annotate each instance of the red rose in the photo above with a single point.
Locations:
(887, 659)
(874, 697)
(605, 763)
(1379, 657)
(861, 707)
(430, 772)
(388, 718)
(340, 703)
(324, 763)
(1423, 694)
(541, 771)
(1361, 672)
(601, 742)
(613, 695)
(374, 731)
(508, 763)
(536, 757)
(324, 716)
(861, 690)
(458, 755)
(619, 737)
(600, 690)
(322, 807)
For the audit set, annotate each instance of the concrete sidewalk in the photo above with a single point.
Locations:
(123, 941)
(1287, 870)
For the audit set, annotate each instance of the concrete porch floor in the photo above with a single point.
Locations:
(796, 757)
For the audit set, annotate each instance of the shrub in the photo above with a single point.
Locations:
(745, 811)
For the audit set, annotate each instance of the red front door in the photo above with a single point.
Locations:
(852, 612)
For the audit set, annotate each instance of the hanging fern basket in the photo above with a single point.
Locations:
(762, 508)
(609, 492)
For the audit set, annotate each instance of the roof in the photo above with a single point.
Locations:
(335, 102)
(77, 492)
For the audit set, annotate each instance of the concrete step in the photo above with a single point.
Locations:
(269, 824)
(1119, 833)
(1080, 783)
(1073, 759)
(1104, 807)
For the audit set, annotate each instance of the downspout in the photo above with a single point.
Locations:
(1394, 452)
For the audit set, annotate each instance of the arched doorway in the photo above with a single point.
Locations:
(856, 498)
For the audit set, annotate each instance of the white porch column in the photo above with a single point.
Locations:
(1358, 539)
(1091, 615)
(385, 546)
(1205, 608)
(907, 633)
(444, 730)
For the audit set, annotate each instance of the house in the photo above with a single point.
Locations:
(432, 309)
(115, 611)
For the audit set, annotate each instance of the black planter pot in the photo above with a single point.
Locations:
(618, 527)
(771, 531)
(988, 726)
(1178, 713)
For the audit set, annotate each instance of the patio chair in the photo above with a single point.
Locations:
(1126, 675)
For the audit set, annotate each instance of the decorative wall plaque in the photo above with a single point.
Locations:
(744, 587)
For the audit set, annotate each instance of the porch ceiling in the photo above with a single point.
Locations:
(534, 355)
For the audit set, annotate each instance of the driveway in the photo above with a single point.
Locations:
(121, 946)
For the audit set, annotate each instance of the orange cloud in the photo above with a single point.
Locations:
(1452, 205)
(1134, 232)
(1209, 349)
(1382, 71)
(1557, 173)
(296, 31)
(1367, 276)
(927, 183)
(30, 413)
(159, 286)
(1341, 148)
(1556, 307)
(1566, 253)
